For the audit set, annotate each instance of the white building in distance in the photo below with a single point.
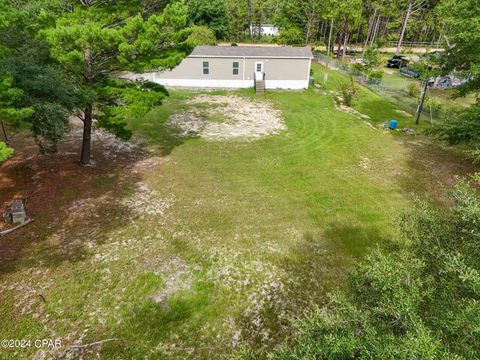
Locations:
(265, 29)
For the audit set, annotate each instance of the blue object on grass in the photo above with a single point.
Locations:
(393, 124)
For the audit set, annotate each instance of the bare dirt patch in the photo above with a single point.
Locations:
(351, 111)
(234, 118)
(178, 277)
(147, 201)
(365, 163)
(402, 112)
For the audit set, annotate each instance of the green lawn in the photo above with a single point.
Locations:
(255, 233)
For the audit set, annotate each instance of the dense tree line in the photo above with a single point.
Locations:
(83, 44)
(309, 21)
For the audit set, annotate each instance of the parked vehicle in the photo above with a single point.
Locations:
(397, 61)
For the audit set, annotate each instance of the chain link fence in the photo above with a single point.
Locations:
(404, 92)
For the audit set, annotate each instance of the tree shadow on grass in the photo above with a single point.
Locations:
(170, 138)
(433, 169)
(156, 129)
(61, 229)
(315, 266)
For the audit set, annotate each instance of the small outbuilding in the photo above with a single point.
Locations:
(15, 213)
(271, 67)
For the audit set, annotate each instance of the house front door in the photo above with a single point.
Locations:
(259, 70)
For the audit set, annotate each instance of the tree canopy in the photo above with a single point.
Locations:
(94, 40)
(210, 13)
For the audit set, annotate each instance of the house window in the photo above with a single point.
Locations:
(259, 67)
(206, 68)
(236, 67)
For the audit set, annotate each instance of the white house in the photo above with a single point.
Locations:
(265, 29)
(271, 67)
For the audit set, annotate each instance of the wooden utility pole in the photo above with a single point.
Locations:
(422, 100)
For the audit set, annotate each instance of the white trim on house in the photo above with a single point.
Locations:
(286, 84)
(243, 69)
(308, 73)
(248, 57)
(231, 84)
(205, 83)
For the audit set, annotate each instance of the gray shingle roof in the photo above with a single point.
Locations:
(252, 51)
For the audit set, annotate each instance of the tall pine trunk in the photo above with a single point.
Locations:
(250, 18)
(87, 112)
(345, 43)
(371, 22)
(375, 30)
(404, 26)
(339, 39)
(87, 133)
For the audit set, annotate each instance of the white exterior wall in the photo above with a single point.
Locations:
(280, 73)
(230, 84)
(265, 30)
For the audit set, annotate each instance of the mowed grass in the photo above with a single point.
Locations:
(257, 233)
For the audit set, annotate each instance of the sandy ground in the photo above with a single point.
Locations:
(239, 118)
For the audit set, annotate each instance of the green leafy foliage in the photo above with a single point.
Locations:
(97, 39)
(201, 35)
(372, 59)
(375, 76)
(49, 124)
(47, 92)
(291, 36)
(413, 89)
(5, 152)
(209, 13)
(121, 101)
(459, 128)
(418, 299)
(348, 91)
(9, 95)
(462, 20)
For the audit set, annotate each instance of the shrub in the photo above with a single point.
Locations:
(413, 90)
(49, 125)
(349, 90)
(457, 128)
(375, 76)
(5, 152)
(291, 36)
(435, 107)
(372, 58)
(360, 68)
(201, 35)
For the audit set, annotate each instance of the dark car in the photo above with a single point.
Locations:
(397, 61)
